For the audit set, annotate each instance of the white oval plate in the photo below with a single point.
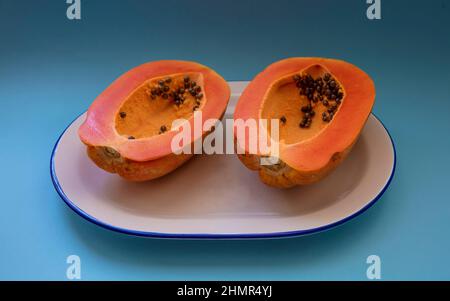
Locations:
(217, 197)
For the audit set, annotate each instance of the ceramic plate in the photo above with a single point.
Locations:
(217, 197)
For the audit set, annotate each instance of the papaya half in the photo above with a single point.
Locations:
(128, 128)
(321, 105)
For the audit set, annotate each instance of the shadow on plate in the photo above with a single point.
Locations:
(188, 191)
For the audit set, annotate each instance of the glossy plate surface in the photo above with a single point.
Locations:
(217, 197)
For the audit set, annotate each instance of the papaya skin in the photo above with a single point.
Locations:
(132, 170)
(306, 154)
(283, 176)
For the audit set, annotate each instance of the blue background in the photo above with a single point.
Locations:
(51, 69)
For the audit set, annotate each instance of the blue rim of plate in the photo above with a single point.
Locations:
(285, 234)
